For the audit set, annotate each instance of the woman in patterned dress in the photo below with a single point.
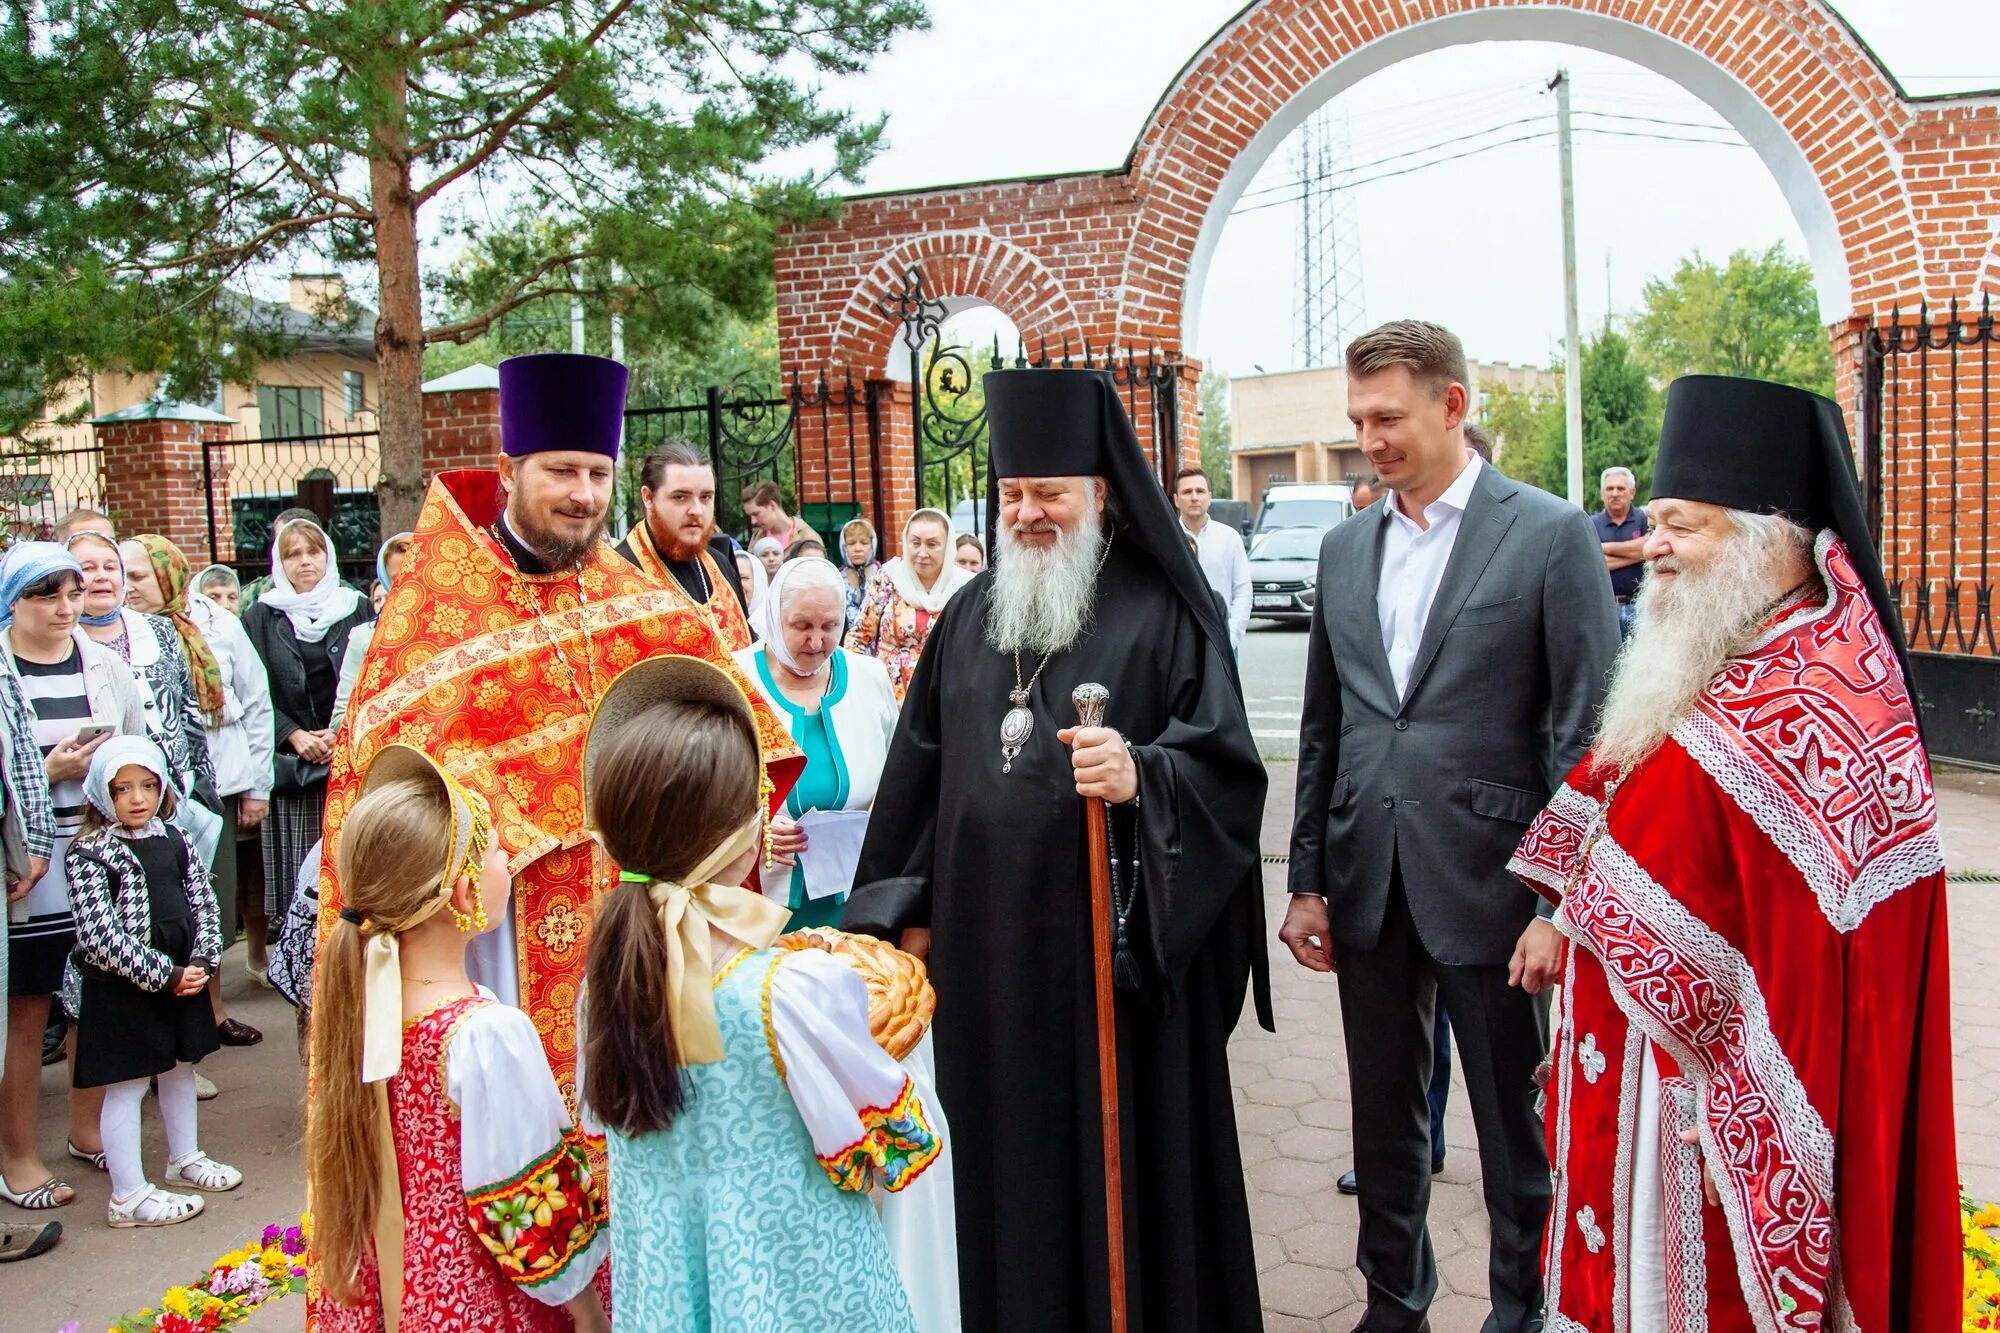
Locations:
(151, 646)
(489, 1198)
(905, 597)
(746, 1107)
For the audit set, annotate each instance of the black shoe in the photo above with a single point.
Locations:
(52, 1039)
(1346, 1184)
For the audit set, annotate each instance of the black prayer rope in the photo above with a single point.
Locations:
(1124, 892)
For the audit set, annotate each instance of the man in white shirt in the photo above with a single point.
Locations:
(1457, 656)
(1224, 562)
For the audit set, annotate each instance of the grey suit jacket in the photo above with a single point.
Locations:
(1502, 702)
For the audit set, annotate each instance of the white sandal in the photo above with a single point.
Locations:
(204, 1173)
(153, 1207)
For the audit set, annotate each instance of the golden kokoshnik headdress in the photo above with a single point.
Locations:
(465, 854)
(687, 909)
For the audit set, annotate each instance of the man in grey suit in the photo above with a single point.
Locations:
(1458, 655)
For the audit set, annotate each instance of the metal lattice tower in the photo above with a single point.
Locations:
(1331, 303)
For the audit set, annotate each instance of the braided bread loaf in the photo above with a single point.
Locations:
(900, 998)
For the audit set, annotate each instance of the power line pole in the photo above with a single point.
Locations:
(1572, 346)
(576, 325)
(1330, 291)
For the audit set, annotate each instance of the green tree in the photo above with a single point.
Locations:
(1212, 399)
(1520, 421)
(1621, 422)
(152, 152)
(1755, 315)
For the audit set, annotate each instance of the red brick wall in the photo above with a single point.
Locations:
(1914, 188)
(461, 430)
(153, 482)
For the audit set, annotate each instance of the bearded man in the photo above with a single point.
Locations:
(1751, 1107)
(976, 855)
(675, 544)
(509, 619)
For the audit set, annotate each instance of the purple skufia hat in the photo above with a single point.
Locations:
(561, 401)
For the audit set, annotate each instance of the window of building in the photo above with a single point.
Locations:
(353, 384)
(291, 409)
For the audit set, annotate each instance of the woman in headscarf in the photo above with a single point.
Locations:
(388, 563)
(905, 597)
(79, 692)
(756, 585)
(176, 705)
(840, 709)
(219, 584)
(300, 628)
(770, 551)
(235, 702)
(858, 565)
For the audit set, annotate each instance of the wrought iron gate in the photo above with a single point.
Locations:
(813, 439)
(948, 412)
(1927, 423)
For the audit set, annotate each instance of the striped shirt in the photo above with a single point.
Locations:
(61, 705)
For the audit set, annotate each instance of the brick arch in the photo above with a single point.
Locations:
(1895, 194)
(1812, 100)
(965, 268)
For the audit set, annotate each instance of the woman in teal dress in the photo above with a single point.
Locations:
(842, 711)
(746, 1109)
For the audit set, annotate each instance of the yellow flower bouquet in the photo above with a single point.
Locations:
(250, 1276)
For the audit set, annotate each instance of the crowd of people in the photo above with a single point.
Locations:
(524, 828)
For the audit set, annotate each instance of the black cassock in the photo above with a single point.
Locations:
(994, 863)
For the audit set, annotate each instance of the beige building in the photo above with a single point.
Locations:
(309, 413)
(1292, 425)
(328, 385)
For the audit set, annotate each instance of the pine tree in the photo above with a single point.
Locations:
(153, 153)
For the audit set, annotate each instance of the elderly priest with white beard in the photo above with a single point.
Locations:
(976, 852)
(1751, 1111)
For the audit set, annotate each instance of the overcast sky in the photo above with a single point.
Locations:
(1038, 86)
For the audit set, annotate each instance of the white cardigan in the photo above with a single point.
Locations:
(864, 722)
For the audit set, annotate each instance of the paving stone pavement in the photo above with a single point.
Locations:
(1293, 1112)
(1292, 1108)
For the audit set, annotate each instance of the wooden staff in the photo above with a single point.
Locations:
(1090, 701)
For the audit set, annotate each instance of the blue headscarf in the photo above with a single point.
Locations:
(26, 564)
(117, 611)
(382, 556)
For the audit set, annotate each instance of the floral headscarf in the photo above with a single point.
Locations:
(176, 577)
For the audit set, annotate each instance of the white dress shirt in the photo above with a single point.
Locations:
(1226, 566)
(1413, 562)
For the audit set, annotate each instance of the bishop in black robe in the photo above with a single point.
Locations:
(993, 864)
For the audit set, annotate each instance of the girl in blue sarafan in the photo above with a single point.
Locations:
(747, 1110)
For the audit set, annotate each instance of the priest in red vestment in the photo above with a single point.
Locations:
(510, 618)
(1750, 1109)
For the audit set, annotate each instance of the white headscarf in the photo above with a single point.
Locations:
(796, 576)
(949, 580)
(760, 582)
(312, 613)
(124, 752)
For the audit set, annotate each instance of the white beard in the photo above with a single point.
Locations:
(1042, 598)
(1685, 629)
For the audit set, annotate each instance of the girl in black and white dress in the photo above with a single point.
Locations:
(148, 936)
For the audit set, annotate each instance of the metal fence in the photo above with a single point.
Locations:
(948, 426)
(1927, 423)
(250, 480)
(751, 437)
(42, 482)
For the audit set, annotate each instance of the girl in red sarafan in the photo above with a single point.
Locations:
(486, 1214)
